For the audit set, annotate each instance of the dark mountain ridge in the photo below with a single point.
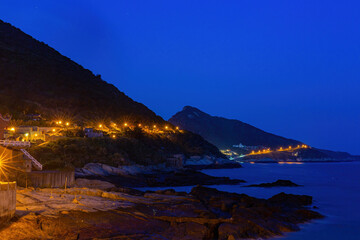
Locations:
(224, 133)
(35, 78)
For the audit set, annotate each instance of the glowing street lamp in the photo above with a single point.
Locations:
(100, 125)
(67, 124)
(125, 124)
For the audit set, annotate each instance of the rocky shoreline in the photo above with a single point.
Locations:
(155, 176)
(204, 213)
(177, 178)
(103, 204)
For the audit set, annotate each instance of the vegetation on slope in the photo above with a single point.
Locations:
(133, 146)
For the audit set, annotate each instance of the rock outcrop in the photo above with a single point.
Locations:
(205, 213)
(150, 176)
(278, 183)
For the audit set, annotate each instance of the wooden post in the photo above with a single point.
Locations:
(65, 183)
(51, 196)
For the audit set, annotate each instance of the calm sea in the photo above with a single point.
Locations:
(334, 186)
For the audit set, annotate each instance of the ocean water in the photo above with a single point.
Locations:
(335, 188)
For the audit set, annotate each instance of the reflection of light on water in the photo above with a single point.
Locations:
(290, 162)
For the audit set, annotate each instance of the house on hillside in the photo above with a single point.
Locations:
(33, 117)
(31, 133)
(242, 146)
(90, 133)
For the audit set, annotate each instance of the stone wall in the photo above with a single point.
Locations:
(48, 179)
(7, 201)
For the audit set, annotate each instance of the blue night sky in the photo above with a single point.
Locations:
(288, 67)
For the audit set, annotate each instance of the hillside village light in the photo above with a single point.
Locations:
(60, 122)
(53, 130)
(139, 125)
(154, 126)
(125, 124)
(166, 127)
(12, 129)
(67, 124)
(26, 134)
(100, 125)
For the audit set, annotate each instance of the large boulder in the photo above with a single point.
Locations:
(292, 200)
